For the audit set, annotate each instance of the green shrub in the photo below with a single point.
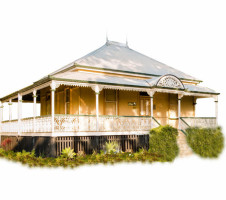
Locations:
(111, 147)
(206, 142)
(28, 158)
(163, 141)
(68, 153)
(25, 155)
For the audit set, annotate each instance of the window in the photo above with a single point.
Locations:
(110, 102)
(67, 101)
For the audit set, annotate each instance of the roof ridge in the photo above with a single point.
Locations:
(109, 42)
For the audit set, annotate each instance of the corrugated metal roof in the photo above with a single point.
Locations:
(198, 88)
(102, 79)
(118, 56)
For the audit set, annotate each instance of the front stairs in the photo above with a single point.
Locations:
(184, 149)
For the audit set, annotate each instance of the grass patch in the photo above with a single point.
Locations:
(206, 142)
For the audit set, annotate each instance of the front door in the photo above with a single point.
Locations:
(145, 106)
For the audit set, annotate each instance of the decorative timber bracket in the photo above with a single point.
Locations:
(54, 85)
(151, 92)
(97, 88)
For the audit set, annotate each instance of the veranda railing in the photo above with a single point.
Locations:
(203, 122)
(80, 123)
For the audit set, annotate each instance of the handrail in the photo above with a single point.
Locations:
(186, 124)
(102, 115)
(156, 121)
(184, 121)
(184, 132)
(199, 117)
(56, 115)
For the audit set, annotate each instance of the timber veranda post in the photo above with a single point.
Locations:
(97, 89)
(179, 110)
(216, 109)
(151, 94)
(20, 99)
(34, 109)
(53, 89)
(10, 109)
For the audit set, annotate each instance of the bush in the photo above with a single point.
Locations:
(206, 142)
(111, 158)
(25, 154)
(68, 153)
(163, 141)
(111, 147)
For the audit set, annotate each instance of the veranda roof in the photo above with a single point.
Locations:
(119, 57)
(198, 88)
(122, 81)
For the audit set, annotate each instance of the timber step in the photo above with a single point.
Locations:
(184, 149)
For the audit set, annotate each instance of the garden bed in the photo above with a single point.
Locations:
(162, 147)
(29, 158)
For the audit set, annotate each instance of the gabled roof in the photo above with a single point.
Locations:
(119, 57)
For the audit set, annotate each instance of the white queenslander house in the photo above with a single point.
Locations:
(112, 94)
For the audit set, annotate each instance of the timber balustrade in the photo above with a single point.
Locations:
(80, 123)
(204, 122)
(87, 123)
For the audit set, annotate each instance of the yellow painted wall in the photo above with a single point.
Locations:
(88, 102)
(128, 96)
(161, 107)
(173, 110)
(166, 106)
(83, 102)
(187, 107)
(75, 93)
(44, 103)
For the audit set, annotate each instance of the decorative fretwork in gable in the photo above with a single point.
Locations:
(170, 81)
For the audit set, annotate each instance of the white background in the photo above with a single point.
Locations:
(38, 37)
